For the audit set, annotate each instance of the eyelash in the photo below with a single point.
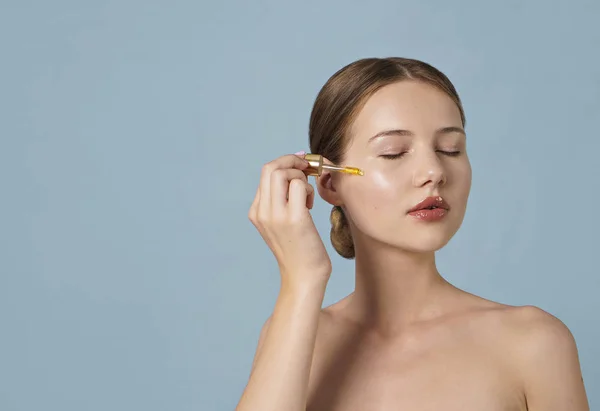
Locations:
(395, 156)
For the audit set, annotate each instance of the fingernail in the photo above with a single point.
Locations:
(300, 153)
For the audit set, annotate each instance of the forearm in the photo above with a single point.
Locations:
(279, 380)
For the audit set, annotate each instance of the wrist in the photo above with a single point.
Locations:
(304, 284)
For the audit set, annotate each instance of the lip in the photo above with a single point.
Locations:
(432, 201)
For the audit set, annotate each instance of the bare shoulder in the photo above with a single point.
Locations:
(537, 347)
(535, 330)
(517, 321)
(528, 331)
(529, 315)
(522, 334)
(543, 352)
(540, 339)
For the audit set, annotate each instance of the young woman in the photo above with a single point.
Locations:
(405, 339)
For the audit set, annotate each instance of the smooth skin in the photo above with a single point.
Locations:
(405, 339)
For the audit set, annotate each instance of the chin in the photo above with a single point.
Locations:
(424, 245)
(425, 239)
(411, 236)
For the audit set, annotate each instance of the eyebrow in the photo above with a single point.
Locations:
(400, 132)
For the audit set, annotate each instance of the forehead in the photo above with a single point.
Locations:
(410, 105)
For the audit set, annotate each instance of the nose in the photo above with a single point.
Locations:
(429, 171)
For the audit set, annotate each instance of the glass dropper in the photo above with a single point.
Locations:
(317, 166)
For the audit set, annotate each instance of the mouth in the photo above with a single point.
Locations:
(431, 203)
(430, 209)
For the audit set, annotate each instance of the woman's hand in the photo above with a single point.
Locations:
(280, 212)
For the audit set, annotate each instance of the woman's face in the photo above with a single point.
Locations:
(408, 140)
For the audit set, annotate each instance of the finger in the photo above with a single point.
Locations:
(310, 200)
(287, 161)
(280, 184)
(252, 213)
(299, 194)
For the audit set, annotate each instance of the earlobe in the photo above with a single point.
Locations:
(326, 188)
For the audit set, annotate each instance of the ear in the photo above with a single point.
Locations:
(326, 185)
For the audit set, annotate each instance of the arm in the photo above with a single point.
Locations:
(552, 373)
(281, 213)
(281, 368)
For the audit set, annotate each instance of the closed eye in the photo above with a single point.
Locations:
(392, 156)
(398, 155)
(449, 153)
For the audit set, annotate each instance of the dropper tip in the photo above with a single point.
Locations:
(354, 170)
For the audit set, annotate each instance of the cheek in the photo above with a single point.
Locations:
(464, 176)
(378, 181)
(375, 191)
(460, 185)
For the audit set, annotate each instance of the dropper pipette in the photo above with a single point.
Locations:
(317, 166)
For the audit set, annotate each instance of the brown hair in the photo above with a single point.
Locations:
(340, 100)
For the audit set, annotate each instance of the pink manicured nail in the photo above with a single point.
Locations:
(300, 153)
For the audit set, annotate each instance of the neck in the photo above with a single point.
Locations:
(396, 287)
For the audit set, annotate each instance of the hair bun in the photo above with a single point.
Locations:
(341, 238)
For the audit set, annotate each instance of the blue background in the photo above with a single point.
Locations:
(132, 136)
